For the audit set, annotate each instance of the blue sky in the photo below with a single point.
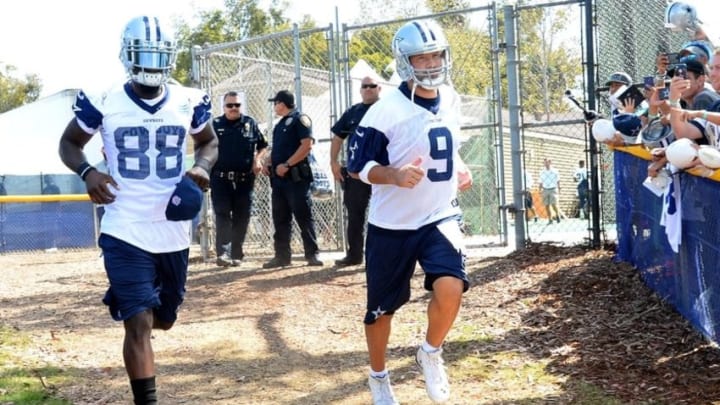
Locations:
(75, 43)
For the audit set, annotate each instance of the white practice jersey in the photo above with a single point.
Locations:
(145, 146)
(395, 132)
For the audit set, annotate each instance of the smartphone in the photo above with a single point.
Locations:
(649, 81)
(664, 93)
(673, 58)
(681, 70)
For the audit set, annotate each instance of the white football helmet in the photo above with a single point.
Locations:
(682, 153)
(417, 38)
(603, 130)
(681, 17)
(148, 51)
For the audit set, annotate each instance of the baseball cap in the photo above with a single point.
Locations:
(695, 67)
(284, 97)
(699, 48)
(619, 77)
(185, 201)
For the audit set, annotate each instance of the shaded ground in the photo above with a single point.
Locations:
(548, 325)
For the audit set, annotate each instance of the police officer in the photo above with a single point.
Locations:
(240, 153)
(356, 193)
(290, 178)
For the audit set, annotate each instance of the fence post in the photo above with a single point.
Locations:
(511, 52)
(592, 105)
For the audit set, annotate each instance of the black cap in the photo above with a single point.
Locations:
(284, 97)
(695, 67)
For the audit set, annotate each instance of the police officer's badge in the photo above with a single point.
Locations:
(288, 121)
(305, 120)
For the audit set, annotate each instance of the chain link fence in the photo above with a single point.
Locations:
(323, 67)
(300, 61)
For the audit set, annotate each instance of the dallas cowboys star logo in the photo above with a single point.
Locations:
(378, 312)
(352, 150)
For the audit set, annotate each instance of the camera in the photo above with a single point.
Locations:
(673, 58)
(664, 93)
(681, 70)
(649, 82)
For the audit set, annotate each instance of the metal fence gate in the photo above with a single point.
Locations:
(512, 105)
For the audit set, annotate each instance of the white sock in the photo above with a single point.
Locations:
(378, 374)
(428, 348)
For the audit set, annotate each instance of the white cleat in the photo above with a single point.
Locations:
(381, 390)
(436, 380)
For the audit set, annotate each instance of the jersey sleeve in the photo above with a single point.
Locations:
(202, 113)
(87, 114)
(367, 144)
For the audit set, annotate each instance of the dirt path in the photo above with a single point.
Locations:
(294, 335)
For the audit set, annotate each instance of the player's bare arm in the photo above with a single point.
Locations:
(72, 143)
(206, 153)
(407, 176)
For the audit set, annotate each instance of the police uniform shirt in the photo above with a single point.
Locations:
(349, 121)
(287, 136)
(237, 142)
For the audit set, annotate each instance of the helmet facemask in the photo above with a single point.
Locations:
(148, 52)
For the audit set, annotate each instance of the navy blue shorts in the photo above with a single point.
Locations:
(141, 280)
(391, 256)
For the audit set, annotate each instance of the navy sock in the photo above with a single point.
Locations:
(144, 391)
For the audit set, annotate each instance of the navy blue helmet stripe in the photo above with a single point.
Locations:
(146, 20)
(422, 33)
(157, 30)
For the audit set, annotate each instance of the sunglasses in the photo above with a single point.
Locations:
(369, 86)
(232, 105)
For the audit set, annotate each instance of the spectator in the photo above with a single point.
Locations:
(356, 194)
(529, 207)
(550, 189)
(580, 177)
(51, 209)
(241, 147)
(290, 178)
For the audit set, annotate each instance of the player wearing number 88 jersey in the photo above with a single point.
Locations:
(148, 193)
(406, 146)
(145, 147)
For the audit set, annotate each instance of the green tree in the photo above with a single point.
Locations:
(241, 19)
(15, 91)
(549, 67)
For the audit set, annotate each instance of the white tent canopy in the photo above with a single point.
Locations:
(30, 136)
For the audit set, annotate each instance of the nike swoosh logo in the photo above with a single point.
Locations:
(360, 134)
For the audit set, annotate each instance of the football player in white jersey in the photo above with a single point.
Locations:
(144, 125)
(406, 147)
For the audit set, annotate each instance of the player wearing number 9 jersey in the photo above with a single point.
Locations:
(406, 146)
(149, 195)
